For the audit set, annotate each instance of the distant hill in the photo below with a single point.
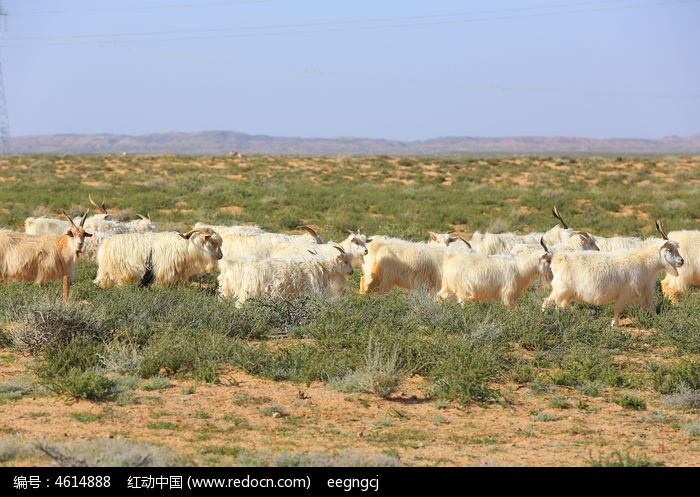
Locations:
(224, 142)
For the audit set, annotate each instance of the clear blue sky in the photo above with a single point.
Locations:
(406, 70)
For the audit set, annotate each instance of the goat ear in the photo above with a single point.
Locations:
(70, 233)
(86, 234)
(368, 240)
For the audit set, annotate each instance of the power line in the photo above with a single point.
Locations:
(330, 26)
(143, 7)
(4, 119)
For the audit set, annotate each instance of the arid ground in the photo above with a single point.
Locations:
(212, 424)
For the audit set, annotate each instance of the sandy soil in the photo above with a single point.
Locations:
(270, 417)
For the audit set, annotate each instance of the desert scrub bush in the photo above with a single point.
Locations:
(464, 368)
(675, 376)
(683, 398)
(631, 401)
(53, 325)
(16, 388)
(74, 370)
(120, 357)
(679, 326)
(693, 428)
(185, 351)
(109, 452)
(579, 365)
(622, 459)
(381, 374)
(348, 458)
(15, 449)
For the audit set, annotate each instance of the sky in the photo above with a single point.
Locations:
(388, 69)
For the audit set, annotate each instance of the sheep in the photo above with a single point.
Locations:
(562, 236)
(43, 258)
(673, 285)
(242, 278)
(471, 276)
(164, 258)
(355, 243)
(394, 262)
(621, 276)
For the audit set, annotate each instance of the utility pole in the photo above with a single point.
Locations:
(4, 119)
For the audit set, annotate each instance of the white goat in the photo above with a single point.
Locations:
(394, 262)
(42, 258)
(101, 222)
(165, 258)
(262, 244)
(471, 276)
(224, 229)
(447, 240)
(563, 237)
(673, 285)
(242, 278)
(354, 243)
(621, 276)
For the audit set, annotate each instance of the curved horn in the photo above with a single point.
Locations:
(82, 221)
(339, 248)
(543, 245)
(348, 231)
(69, 218)
(660, 228)
(311, 231)
(100, 208)
(555, 211)
(187, 236)
(469, 245)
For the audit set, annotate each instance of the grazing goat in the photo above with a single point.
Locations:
(673, 285)
(621, 276)
(242, 278)
(165, 258)
(42, 258)
(394, 262)
(471, 276)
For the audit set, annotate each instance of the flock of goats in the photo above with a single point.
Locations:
(252, 262)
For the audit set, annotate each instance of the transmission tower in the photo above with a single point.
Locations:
(4, 120)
